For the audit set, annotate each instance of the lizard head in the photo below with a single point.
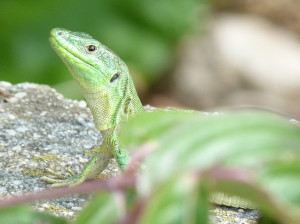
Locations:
(91, 64)
(103, 77)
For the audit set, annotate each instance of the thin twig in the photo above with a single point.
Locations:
(114, 184)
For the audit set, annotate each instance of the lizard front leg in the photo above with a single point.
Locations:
(120, 154)
(91, 169)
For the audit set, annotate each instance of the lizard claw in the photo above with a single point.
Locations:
(53, 173)
(60, 180)
(70, 172)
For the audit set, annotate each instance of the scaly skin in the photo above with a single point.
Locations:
(111, 96)
(109, 92)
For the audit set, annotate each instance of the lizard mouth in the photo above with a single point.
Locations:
(66, 50)
(60, 49)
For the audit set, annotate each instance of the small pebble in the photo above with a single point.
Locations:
(43, 113)
(11, 132)
(20, 95)
(76, 208)
(21, 129)
(17, 148)
(82, 104)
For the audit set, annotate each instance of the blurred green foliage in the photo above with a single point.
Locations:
(143, 32)
(187, 157)
(23, 214)
(252, 155)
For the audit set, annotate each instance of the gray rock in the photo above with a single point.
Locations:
(41, 129)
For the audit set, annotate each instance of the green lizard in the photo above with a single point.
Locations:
(111, 96)
(109, 92)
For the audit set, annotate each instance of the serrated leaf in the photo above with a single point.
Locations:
(262, 199)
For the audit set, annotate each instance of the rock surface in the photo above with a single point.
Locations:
(40, 129)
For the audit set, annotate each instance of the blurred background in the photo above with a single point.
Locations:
(190, 53)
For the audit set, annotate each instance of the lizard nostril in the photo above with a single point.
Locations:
(59, 33)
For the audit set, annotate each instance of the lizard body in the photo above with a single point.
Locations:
(111, 96)
(109, 92)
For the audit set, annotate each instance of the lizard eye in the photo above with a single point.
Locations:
(91, 47)
(116, 76)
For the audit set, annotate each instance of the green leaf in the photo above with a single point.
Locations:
(281, 178)
(22, 214)
(191, 140)
(199, 199)
(102, 209)
(174, 202)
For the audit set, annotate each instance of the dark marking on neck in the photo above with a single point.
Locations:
(126, 105)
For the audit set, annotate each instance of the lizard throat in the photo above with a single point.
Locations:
(106, 112)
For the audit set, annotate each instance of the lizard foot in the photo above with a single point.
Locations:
(61, 180)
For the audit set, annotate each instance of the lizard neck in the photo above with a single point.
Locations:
(108, 111)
